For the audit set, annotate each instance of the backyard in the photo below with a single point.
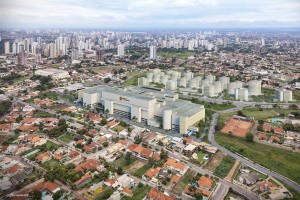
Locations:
(141, 171)
(138, 193)
(183, 182)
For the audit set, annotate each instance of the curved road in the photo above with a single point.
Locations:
(211, 138)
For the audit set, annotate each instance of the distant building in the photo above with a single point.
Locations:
(121, 50)
(6, 48)
(152, 52)
(99, 55)
(54, 73)
(22, 58)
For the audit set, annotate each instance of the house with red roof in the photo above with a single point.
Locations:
(43, 157)
(47, 186)
(155, 194)
(83, 180)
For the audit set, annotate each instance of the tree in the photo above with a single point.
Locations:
(249, 137)
(198, 196)
(240, 113)
(36, 195)
(261, 121)
(103, 121)
(120, 170)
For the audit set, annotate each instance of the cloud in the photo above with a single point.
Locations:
(147, 13)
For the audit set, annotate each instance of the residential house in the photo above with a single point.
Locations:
(248, 178)
(94, 191)
(43, 157)
(155, 194)
(5, 127)
(175, 165)
(47, 186)
(204, 183)
(83, 180)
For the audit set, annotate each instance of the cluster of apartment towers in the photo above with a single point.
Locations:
(211, 87)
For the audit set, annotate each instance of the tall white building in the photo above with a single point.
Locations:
(152, 52)
(121, 50)
(241, 94)
(154, 108)
(283, 95)
(6, 48)
(52, 49)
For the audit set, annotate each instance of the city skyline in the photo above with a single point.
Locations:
(150, 14)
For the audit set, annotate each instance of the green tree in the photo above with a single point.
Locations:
(249, 137)
(120, 170)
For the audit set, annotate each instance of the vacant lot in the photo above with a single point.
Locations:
(279, 160)
(215, 161)
(182, 183)
(141, 171)
(67, 138)
(138, 193)
(224, 167)
(134, 166)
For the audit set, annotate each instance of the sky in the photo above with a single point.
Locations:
(149, 14)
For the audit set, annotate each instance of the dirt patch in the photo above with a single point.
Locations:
(215, 161)
(231, 172)
(3, 138)
(135, 166)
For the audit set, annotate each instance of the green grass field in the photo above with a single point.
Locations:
(257, 114)
(51, 164)
(67, 138)
(134, 80)
(140, 172)
(279, 160)
(224, 167)
(118, 128)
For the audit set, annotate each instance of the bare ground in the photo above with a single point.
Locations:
(231, 172)
(135, 166)
(215, 161)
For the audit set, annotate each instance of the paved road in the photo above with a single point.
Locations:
(211, 139)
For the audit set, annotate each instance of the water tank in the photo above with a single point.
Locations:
(182, 82)
(156, 71)
(150, 77)
(193, 83)
(189, 75)
(224, 79)
(231, 88)
(254, 87)
(211, 78)
(205, 82)
(239, 84)
(171, 85)
(164, 79)
(208, 90)
(167, 119)
(218, 87)
(156, 78)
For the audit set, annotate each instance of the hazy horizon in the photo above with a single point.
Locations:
(150, 14)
